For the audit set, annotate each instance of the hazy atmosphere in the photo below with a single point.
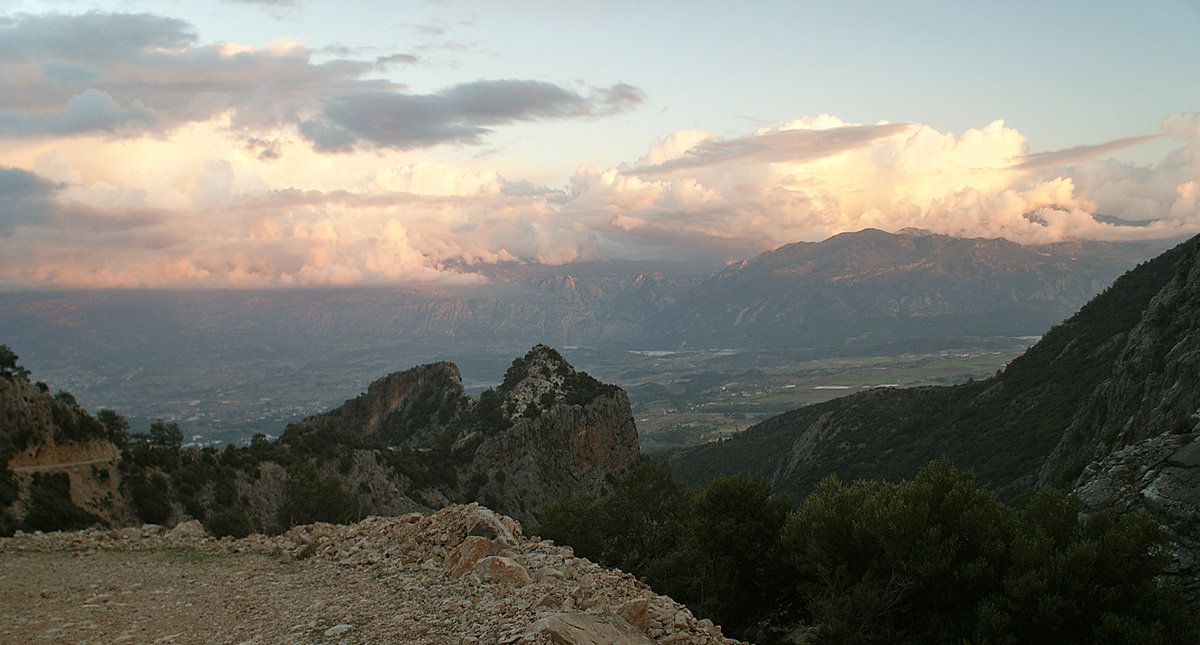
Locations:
(278, 143)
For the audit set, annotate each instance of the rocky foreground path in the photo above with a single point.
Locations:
(461, 575)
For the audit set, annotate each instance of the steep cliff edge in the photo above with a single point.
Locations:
(1153, 387)
(405, 408)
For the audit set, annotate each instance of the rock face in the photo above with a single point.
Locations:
(568, 435)
(1160, 475)
(1133, 442)
(547, 432)
(1153, 387)
(405, 408)
(462, 574)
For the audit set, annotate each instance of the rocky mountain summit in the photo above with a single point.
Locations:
(548, 431)
(460, 575)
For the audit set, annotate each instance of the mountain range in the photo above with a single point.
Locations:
(230, 363)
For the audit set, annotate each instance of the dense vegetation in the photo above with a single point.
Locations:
(931, 559)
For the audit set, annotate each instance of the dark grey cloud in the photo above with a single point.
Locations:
(459, 114)
(130, 74)
(1076, 154)
(25, 198)
(775, 146)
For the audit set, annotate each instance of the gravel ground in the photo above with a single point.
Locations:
(176, 596)
(461, 575)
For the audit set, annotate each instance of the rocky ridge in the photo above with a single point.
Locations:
(460, 575)
(548, 431)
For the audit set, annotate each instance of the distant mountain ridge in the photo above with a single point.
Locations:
(878, 289)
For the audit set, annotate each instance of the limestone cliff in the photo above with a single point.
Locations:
(1153, 387)
(405, 408)
(1132, 445)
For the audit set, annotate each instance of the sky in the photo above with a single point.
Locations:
(283, 143)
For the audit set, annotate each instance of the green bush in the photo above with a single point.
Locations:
(309, 498)
(937, 560)
(151, 493)
(930, 560)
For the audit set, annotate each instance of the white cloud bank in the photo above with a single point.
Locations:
(220, 216)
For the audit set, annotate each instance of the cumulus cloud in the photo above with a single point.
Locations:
(203, 210)
(133, 74)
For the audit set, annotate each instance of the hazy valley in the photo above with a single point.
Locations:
(700, 351)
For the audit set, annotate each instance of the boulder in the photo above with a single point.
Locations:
(469, 552)
(502, 570)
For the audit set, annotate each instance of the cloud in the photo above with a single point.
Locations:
(459, 114)
(1076, 154)
(90, 111)
(204, 210)
(394, 59)
(774, 145)
(139, 74)
(25, 198)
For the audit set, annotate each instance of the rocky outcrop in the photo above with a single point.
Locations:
(405, 408)
(1160, 475)
(548, 431)
(1132, 443)
(569, 436)
(462, 574)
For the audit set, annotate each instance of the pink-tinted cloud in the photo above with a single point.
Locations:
(204, 210)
